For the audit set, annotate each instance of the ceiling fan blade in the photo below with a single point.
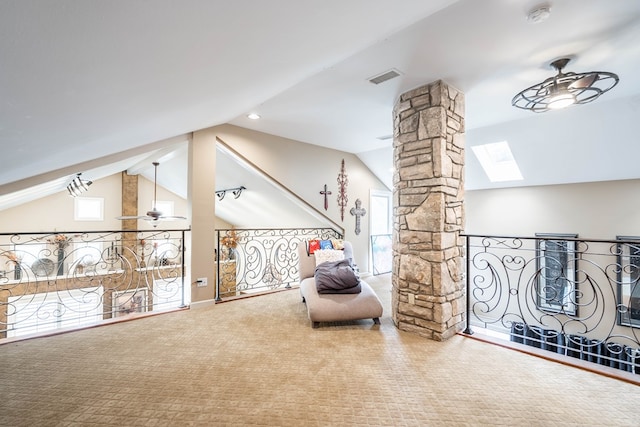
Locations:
(586, 81)
(172, 217)
(132, 217)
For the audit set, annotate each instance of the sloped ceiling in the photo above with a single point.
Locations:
(277, 208)
(91, 81)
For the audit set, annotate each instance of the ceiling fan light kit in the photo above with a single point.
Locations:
(565, 89)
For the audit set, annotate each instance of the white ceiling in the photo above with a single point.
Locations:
(91, 83)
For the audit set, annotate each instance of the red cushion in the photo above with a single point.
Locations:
(314, 245)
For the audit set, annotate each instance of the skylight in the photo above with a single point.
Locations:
(498, 162)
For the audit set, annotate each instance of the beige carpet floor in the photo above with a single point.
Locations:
(258, 362)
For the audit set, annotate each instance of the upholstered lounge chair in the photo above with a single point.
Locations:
(335, 307)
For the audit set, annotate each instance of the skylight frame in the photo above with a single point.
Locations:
(498, 162)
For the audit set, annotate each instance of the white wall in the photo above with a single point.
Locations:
(599, 210)
(305, 169)
(56, 212)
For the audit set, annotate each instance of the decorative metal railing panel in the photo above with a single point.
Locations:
(579, 298)
(50, 281)
(256, 260)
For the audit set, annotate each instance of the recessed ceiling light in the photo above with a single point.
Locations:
(253, 116)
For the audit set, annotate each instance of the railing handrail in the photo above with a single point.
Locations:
(550, 236)
(29, 233)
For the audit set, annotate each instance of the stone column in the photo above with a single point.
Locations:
(428, 286)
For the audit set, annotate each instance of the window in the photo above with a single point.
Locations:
(54, 310)
(556, 289)
(166, 207)
(628, 277)
(381, 217)
(88, 208)
(381, 224)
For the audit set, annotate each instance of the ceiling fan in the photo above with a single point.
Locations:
(154, 215)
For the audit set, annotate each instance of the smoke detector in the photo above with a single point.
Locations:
(539, 14)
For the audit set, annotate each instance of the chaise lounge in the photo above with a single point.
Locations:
(335, 307)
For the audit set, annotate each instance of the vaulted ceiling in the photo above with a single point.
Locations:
(93, 82)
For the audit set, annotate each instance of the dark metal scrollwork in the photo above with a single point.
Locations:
(263, 259)
(575, 297)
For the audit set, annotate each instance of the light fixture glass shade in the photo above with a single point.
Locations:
(561, 100)
(565, 89)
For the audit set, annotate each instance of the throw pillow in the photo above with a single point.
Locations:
(314, 245)
(326, 255)
(337, 243)
(326, 244)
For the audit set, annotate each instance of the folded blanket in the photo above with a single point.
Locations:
(337, 277)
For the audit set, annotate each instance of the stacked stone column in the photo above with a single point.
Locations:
(428, 286)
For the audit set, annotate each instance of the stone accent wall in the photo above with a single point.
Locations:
(129, 200)
(129, 208)
(428, 287)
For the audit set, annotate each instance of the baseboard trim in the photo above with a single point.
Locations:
(202, 304)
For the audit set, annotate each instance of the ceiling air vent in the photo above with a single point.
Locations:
(388, 75)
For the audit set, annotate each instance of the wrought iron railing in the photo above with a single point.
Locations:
(50, 281)
(381, 253)
(578, 298)
(257, 260)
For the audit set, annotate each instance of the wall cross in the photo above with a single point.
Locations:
(358, 212)
(326, 193)
(342, 190)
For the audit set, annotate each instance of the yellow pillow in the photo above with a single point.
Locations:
(337, 244)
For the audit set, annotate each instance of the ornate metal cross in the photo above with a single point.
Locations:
(358, 211)
(326, 193)
(342, 190)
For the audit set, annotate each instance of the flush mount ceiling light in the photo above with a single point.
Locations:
(565, 89)
(78, 186)
(253, 116)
